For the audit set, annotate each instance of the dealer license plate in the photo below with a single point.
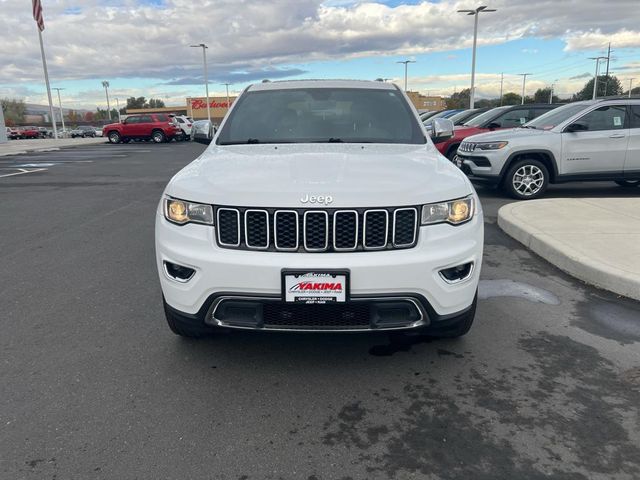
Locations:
(315, 287)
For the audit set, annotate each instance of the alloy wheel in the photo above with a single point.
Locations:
(528, 180)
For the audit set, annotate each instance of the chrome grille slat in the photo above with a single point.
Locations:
(254, 226)
(338, 236)
(408, 229)
(313, 230)
(316, 230)
(286, 230)
(225, 229)
(373, 228)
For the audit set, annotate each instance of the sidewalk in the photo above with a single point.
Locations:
(16, 147)
(594, 239)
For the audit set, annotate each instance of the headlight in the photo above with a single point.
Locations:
(491, 145)
(181, 212)
(454, 212)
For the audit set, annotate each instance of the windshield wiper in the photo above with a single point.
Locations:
(528, 126)
(253, 141)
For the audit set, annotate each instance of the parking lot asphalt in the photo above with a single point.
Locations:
(94, 386)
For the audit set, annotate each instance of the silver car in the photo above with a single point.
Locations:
(202, 131)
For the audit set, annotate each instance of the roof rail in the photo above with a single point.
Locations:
(618, 97)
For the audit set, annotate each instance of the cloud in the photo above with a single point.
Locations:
(582, 75)
(241, 76)
(597, 39)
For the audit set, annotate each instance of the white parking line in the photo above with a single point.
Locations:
(22, 172)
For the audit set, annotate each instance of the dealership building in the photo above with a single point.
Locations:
(195, 107)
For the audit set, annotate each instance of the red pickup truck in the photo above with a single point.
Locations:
(157, 127)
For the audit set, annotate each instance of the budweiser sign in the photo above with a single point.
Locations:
(199, 104)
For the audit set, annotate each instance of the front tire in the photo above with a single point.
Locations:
(628, 183)
(452, 152)
(526, 179)
(158, 137)
(114, 137)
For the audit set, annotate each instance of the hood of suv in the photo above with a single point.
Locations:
(506, 135)
(353, 175)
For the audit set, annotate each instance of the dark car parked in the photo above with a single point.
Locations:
(500, 117)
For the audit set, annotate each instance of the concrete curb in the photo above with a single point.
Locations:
(566, 257)
(46, 145)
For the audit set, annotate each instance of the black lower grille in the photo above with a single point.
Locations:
(316, 317)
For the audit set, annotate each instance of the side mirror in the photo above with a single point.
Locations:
(442, 130)
(493, 125)
(577, 127)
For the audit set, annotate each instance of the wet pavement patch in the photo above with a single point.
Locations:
(510, 288)
(617, 320)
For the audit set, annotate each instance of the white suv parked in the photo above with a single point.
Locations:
(320, 206)
(592, 140)
(184, 123)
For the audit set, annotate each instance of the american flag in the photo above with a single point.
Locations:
(37, 14)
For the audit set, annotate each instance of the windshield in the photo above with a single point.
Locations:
(480, 119)
(307, 115)
(556, 116)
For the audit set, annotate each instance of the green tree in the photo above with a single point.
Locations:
(155, 103)
(511, 98)
(542, 96)
(487, 103)
(459, 99)
(139, 102)
(634, 91)
(607, 85)
(13, 111)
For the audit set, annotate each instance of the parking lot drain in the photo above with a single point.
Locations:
(509, 288)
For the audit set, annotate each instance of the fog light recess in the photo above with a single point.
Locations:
(457, 274)
(177, 272)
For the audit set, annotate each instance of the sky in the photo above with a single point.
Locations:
(142, 46)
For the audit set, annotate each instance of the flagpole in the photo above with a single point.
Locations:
(46, 79)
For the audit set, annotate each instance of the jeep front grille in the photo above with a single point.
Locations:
(316, 230)
(467, 147)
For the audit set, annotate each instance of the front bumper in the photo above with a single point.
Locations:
(411, 274)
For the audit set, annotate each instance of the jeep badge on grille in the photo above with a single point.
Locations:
(324, 199)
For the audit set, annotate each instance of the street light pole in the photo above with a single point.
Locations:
(476, 14)
(595, 78)
(60, 105)
(524, 82)
(551, 94)
(227, 85)
(501, 83)
(206, 79)
(118, 107)
(105, 84)
(406, 63)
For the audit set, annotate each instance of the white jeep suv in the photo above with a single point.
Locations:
(320, 206)
(591, 140)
